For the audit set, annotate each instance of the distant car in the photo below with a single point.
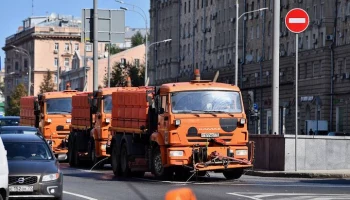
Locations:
(338, 134)
(19, 130)
(9, 121)
(33, 169)
(4, 172)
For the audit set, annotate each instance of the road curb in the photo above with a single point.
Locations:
(296, 174)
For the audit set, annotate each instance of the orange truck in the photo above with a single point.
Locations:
(182, 128)
(51, 113)
(91, 116)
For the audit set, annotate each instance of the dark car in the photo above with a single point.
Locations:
(33, 169)
(19, 130)
(9, 121)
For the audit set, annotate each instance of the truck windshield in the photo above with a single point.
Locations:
(206, 101)
(59, 105)
(107, 103)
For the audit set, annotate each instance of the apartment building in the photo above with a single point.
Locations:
(203, 32)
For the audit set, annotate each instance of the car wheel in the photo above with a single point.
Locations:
(115, 161)
(233, 173)
(124, 161)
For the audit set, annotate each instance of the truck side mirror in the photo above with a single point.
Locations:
(161, 110)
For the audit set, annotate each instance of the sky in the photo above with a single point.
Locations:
(13, 12)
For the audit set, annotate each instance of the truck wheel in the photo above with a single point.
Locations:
(159, 171)
(233, 173)
(124, 161)
(115, 161)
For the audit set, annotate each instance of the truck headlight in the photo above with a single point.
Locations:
(242, 121)
(176, 153)
(108, 120)
(103, 147)
(49, 120)
(68, 120)
(177, 122)
(241, 152)
(51, 177)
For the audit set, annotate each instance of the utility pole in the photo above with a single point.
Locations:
(95, 46)
(275, 68)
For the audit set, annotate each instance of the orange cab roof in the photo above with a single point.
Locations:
(198, 85)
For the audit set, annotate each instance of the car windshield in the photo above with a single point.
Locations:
(27, 151)
(59, 105)
(32, 132)
(9, 122)
(107, 102)
(206, 101)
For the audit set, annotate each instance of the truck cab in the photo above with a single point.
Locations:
(53, 113)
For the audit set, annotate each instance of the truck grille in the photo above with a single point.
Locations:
(22, 180)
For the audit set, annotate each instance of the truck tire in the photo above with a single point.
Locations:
(115, 161)
(233, 173)
(124, 161)
(159, 171)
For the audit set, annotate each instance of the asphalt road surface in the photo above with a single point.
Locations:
(83, 184)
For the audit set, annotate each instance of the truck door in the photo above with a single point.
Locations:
(163, 117)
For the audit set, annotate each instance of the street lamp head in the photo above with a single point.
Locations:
(263, 9)
(167, 40)
(123, 8)
(120, 1)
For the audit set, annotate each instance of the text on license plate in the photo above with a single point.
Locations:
(21, 188)
(210, 135)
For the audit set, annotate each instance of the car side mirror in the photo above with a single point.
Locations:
(61, 157)
(161, 110)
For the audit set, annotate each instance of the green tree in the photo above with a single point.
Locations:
(47, 85)
(117, 78)
(13, 107)
(137, 39)
(114, 49)
(136, 77)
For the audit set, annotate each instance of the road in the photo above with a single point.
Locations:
(80, 184)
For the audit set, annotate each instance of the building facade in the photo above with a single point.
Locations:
(76, 75)
(203, 32)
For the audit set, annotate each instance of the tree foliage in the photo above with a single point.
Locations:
(113, 49)
(137, 39)
(120, 72)
(47, 85)
(13, 107)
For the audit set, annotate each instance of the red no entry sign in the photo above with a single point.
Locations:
(297, 20)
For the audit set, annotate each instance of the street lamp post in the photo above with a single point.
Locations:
(146, 22)
(25, 52)
(162, 41)
(237, 19)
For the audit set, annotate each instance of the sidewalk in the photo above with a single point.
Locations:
(301, 174)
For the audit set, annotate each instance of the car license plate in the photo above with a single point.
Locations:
(21, 188)
(209, 135)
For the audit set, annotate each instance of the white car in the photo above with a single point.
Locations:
(4, 173)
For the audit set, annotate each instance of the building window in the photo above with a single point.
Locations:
(56, 46)
(66, 47)
(257, 32)
(56, 62)
(137, 62)
(185, 7)
(16, 65)
(189, 6)
(25, 64)
(66, 62)
(76, 47)
(269, 28)
(252, 32)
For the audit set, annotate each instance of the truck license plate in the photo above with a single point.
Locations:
(21, 188)
(209, 135)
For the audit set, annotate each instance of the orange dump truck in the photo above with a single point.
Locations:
(91, 116)
(51, 113)
(196, 126)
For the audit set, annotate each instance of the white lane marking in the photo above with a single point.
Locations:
(79, 195)
(297, 20)
(241, 195)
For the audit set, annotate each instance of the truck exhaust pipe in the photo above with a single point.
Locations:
(128, 82)
(197, 75)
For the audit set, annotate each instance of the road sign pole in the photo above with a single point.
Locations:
(95, 47)
(276, 67)
(297, 21)
(296, 100)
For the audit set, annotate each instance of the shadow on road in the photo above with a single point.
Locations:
(328, 181)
